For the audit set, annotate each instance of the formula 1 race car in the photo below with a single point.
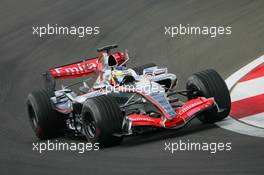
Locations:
(122, 101)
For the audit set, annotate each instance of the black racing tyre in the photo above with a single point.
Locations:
(209, 83)
(45, 121)
(139, 69)
(102, 118)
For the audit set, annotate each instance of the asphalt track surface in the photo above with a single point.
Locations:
(138, 26)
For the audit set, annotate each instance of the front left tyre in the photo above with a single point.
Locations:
(45, 121)
(102, 119)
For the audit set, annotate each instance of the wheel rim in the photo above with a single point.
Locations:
(34, 121)
(91, 129)
(33, 117)
(90, 126)
(193, 95)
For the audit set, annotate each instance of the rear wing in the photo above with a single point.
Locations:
(78, 69)
(87, 67)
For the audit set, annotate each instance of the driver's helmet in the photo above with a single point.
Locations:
(117, 76)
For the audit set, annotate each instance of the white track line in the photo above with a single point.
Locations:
(248, 89)
(240, 127)
(232, 124)
(234, 78)
(256, 120)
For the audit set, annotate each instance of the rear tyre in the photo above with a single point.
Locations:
(209, 83)
(45, 121)
(139, 69)
(102, 118)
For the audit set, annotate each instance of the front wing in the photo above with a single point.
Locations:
(184, 114)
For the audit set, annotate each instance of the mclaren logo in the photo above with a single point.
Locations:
(188, 107)
(142, 119)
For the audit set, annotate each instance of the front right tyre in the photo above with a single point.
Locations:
(209, 83)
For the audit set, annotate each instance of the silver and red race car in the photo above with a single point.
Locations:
(122, 101)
